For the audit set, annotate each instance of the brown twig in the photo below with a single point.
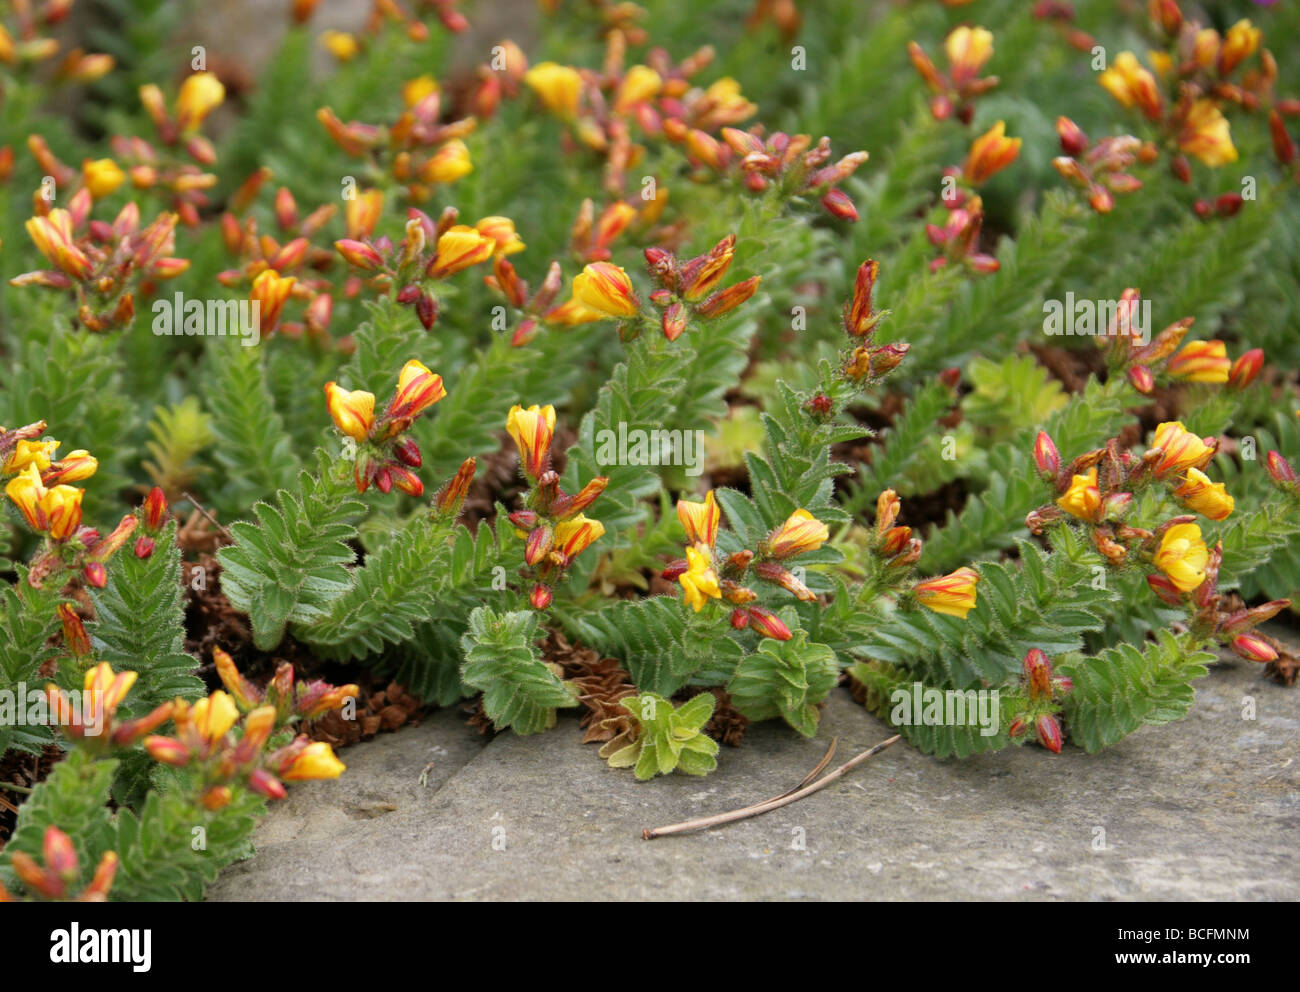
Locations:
(757, 809)
(210, 518)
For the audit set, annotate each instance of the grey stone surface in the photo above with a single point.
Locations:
(1206, 808)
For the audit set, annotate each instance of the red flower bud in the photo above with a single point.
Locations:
(739, 619)
(1046, 457)
(1279, 468)
(674, 569)
(768, 623)
(1073, 141)
(1049, 733)
(407, 452)
(1141, 379)
(155, 509)
(95, 575)
(1253, 648)
(143, 546)
(541, 597)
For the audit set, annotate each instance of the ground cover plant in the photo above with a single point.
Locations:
(676, 366)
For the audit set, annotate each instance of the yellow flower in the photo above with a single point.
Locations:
(1210, 499)
(38, 453)
(990, 153)
(213, 717)
(1180, 450)
(450, 162)
(533, 430)
(605, 288)
(101, 176)
(25, 490)
(316, 761)
(1239, 43)
(1182, 556)
(362, 213)
(502, 231)
(699, 581)
(200, 94)
(1206, 134)
(700, 520)
(415, 90)
(1201, 361)
(52, 235)
(270, 291)
(968, 49)
(1083, 498)
(341, 45)
(458, 249)
(353, 412)
(574, 536)
(640, 84)
(729, 105)
(801, 532)
(105, 691)
(558, 86)
(1130, 83)
(953, 594)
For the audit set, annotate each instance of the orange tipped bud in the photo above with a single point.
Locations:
(728, 299)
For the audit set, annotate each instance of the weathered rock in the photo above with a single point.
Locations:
(1199, 809)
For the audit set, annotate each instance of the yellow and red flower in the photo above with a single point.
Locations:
(459, 248)
(270, 291)
(800, 533)
(55, 511)
(1201, 361)
(700, 520)
(1180, 450)
(990, 153)
(1210, 499)
(605, 288)
(417, 390)
(953, 594)
(533, 430)
(575, 535)
(353, 411)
